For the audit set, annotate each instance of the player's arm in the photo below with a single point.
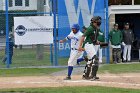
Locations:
(67, 38)
(86, 33)
(81, 43)
(62, 41)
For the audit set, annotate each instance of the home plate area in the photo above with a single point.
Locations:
(130, 80)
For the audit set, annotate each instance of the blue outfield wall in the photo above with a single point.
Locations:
(76, 11)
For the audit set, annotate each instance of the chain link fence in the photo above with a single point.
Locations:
(29, 55)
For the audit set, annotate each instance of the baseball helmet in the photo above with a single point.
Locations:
(75, 26)
(96, 18)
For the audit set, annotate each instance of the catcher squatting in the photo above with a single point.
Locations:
(85, 42)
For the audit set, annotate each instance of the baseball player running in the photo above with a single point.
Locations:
(74, 36)
(82, 57)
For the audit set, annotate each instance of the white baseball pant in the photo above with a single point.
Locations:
(74, 55)
(99, 50)
(127, 52)
(90, 50)
(139, 54)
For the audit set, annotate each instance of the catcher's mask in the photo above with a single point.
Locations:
(96, 19)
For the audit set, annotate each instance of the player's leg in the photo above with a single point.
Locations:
(90, 50)
(118, 55)
(124, 53)
(129, 53)
(71, 63)
(91, 65)
(97, 48)
(95, 67)
(114, 55)
(139, 55)
(87, 71)
(100, 55)
(81, 58)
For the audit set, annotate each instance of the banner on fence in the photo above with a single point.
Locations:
(33, 30)
(76, 11)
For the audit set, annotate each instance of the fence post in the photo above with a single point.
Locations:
(51, 53)
(7, 33)
(107, 34)
(55, 34)
(51, 45)
(40, 47)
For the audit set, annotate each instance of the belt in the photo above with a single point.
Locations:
(89, 43)
(97, 44)
(74, 49)
(117, 45)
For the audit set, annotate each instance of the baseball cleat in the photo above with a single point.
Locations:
(94, 78)
(67, 78)
(85, 78)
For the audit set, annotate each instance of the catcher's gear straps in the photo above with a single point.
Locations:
(87, 71)
(95, 67)
(88, 68)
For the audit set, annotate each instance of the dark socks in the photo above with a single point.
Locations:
(79, 60)
(70, 69)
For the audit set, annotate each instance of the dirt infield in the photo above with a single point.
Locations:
(110, 80)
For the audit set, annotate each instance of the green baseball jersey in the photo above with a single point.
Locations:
(115, 37)
(88, 33)
(101, 37)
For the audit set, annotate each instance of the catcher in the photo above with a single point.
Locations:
(88, 42)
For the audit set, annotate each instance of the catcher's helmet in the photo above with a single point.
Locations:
(75, 26)
(96, 19)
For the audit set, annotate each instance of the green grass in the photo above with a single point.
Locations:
(27, 57)
(87, 89)
(120, 68)
(28, 71)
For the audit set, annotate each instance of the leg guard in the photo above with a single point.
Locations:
(87, 71)
(88, 68)
(94, 70)
(95, 67)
